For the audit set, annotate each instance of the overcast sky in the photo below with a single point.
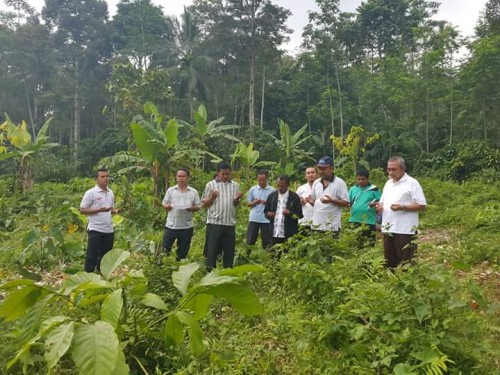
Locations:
(461, 13)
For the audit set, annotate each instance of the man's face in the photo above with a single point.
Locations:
(282, 186)
(262, 180)
(362, 181)
(326, 172)
(224, 175)
(394, 170)
(310, 174)
(102, 179)
(182, 177)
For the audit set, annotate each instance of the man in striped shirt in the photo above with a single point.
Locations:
(221, 196)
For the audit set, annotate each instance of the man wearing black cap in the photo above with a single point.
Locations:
(330, 195)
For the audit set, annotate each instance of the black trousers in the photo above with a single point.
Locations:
(220, 238)
(253, 232)
(398, 248)
(183, 237)
(98, 245)
(367, 233)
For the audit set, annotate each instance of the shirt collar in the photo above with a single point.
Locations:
(101, 189)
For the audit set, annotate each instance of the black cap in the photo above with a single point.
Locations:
(325, 161)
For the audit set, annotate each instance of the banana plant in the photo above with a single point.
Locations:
(156, 143)
(17, 142)
(203, 131)
(248, 158)
(107, 312)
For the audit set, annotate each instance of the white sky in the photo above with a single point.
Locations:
(461, 13)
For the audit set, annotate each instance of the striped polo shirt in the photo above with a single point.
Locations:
(222, 211)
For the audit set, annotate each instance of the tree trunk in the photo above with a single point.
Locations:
(76, 108)
(251, 92)
(262, 100)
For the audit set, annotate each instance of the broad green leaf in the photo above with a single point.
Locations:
(195, 335)
(202, 112)
(404, 369)
(95, 348)
(155, 301)
(15, 283)
(421, 310)
(58, 343)
(49, 324)
(172, 132)
(174, 330)
(24, 353)
(240, 296)
(92, 299)
(91, 285)
(199, 305)
(30, 237)
(74, 281)
(31, 323)
(81, 217)
(112, 260)
(241, 270)
(182, 276)
(121, 367)
(117, 220)
(215, 278)
(111, 308)
(18, 302)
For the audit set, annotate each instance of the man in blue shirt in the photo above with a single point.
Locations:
(256, 200)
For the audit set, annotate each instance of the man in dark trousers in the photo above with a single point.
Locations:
(283, 209)
(97, 204)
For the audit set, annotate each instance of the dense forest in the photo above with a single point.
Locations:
(390, 68)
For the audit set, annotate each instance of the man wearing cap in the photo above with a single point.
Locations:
(401, 200)
(330, 195)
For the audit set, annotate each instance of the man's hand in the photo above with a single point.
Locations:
(286, 212)
(271, 214)
(167, 206)
(326, 199)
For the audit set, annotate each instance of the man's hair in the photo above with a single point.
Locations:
(185, 170)
(262, 172)
(284, 177)
(100, 170)
(223, 165)
(398, 159)
(363, 173)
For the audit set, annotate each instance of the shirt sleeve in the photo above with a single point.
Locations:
(418, 194)
(166, 198)
(87, 200)
(207, 191)
(196, 201)
(250, 197)
(343, 194)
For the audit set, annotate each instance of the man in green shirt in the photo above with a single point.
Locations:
(362, 198)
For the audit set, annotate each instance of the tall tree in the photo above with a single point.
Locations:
(81, 35)
(251, 28)
(140, 32)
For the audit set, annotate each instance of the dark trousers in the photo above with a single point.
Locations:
(398, 248)
(367, 234)
(220, 238)
(253, 232)
(183, 237)
(98, 245)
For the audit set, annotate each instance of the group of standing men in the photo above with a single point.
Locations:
(276, 213)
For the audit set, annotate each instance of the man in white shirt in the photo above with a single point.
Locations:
(180, 201)
(97, 204)
(330, 196)
(401, 200)
(305, 194)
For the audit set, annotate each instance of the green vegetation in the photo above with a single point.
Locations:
(306, 315)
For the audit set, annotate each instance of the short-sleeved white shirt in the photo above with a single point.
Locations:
(97, 198)
(327, 216)
(405, 191)
(305, 191)
(178, 217)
